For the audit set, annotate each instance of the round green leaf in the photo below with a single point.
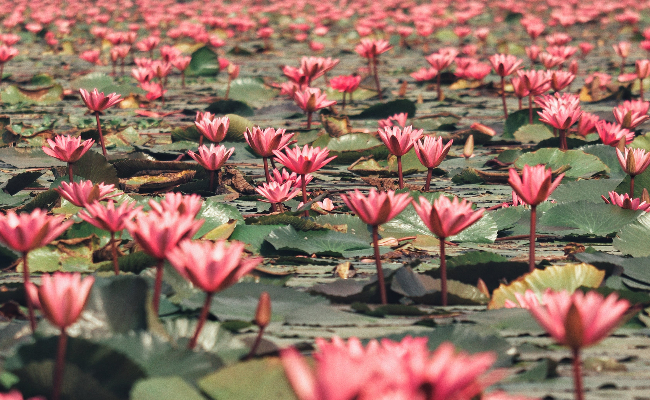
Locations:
(582, 165)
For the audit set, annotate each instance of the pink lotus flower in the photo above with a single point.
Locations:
(440, 61)
(622, 49)
(587, 123)
(7, 53)
(141, 74)
(631, 114)
(625, 201)
(371, 49)
(504, 65)
(400, 118)
(264, 142)
(311, 100)
(189, 205)
(9, 39)
(424, 74)
(212, 158)
(212, 267)
(28, 231)
(532, 52)
(67, 149)
(561, 79)
(181, 63)
(110, 219)
(388, 370)
(85, 192)
(446, 218)
(431, 153)
(277, 193)
(533, 187)
(283, 176)
(96, 103)
(527, 300)
(633, 162)
(376, 208)
(148, 44)
(579, 320)
(92, 56)
(61, 297)
(612, 133)
(345, 84)
(157, 235)
(561, 113)
(213, 128)
(16, 395)
(399, 142)
(303, 162)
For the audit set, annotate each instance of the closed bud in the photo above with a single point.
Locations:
(468, 150)
(233, 71)
(644, 196)
(573, 67)
(574, 328)
(263, 312)
(486, 130)
(630, 164)
(482, 287)
(621, 144)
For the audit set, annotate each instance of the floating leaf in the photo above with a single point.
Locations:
(20, 181)
(323, 242)
(237, 127)
(424, 289)
(588, 218)
(507, 217)
(234, 382)
(235, 107)
(252, 91)
(94, 167)
(167, 388)
(634, 238)
(205, 62)
(582, 165)
(252, 235)
(585, 190)
(566, 277)
(606, 154)
(348, 148)
(532, 133)
(360, 94)
(518, 119)
(45, 95)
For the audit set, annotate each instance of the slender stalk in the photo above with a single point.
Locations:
(158, 285)
(440, 87)
(376, 73)
(304, 193)
(309, 119)
(380, 271)
(202, 318)
(343, 102)
(266, 169)
(443, 271)
(563, 144)
(399, 172)
(2, 71)
(577, 375)
(116, 265)
(641, 89)
(622, 65)
(530, 108)
(70, 171)
(520, 105)
(101, 137)
(428, 184)
(60, 365)
(211, 184)
(30, 306)
(531, 238)
(183, 79)
(256, 344)
(227, 89)
(632, 186)
(201, 140)
(503, 97)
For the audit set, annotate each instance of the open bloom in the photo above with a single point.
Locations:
(430, 151)
(189, 204)
(579, 320)
(371, 48)
(108, 217)
(445, 217)
(611, 133)
(345, 83)
(28, 231)
(284, 176)
(311, 100)
(561, 79)
(378, 207)
(560, 114)
(387, 370)
(535, 184)
(536, 81)
(212, 158)
(98, 102)
(424, 74)
(587, 123)
(505, 64)
(631, 114)
(67, 148)
(625, 201)
(61, 296)
(213, 128)
(7, 53)
(399, 141)
(633, 161)
(157, 234)
(527, 300)
(85, 192)
(303, 161)
(211, 266)
(263, 142)
(277, 192)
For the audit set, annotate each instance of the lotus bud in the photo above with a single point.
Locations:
(621, 144)
(573, 67)
(468, 150)
(573, 328)
(263, 312)
(644, 196)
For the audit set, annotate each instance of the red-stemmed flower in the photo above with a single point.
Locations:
(446, 218)
(85, 192)
(68, 149)
(431, 152)
(399, 142)
(263, 142)
(311, 100)
(213, 128)
(633, 162)
(96, 103)
(504, 65)
(212, 158)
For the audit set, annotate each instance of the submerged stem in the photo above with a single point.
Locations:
(380, 271)
(30, 306)
(158, 286)
(202, 318)
(443, 271)
(60, 365)
(101, 137)
(531, 238)
(577, 375)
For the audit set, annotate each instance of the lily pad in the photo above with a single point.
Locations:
(588, 218)
(205, 62)
(633, 239)
(582, 165)
(42, 96)
(532, 133)
(566, 277)
(518, 119)
(252, 91)
(348, 148)
(322, 242)
(388, 109)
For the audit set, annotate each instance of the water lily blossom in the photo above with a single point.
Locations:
(633, 162)
(376, 209)
(399, 142)
(431, 152)
(533, 187)
(96, 103)
(264, 142)
(68, 149)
